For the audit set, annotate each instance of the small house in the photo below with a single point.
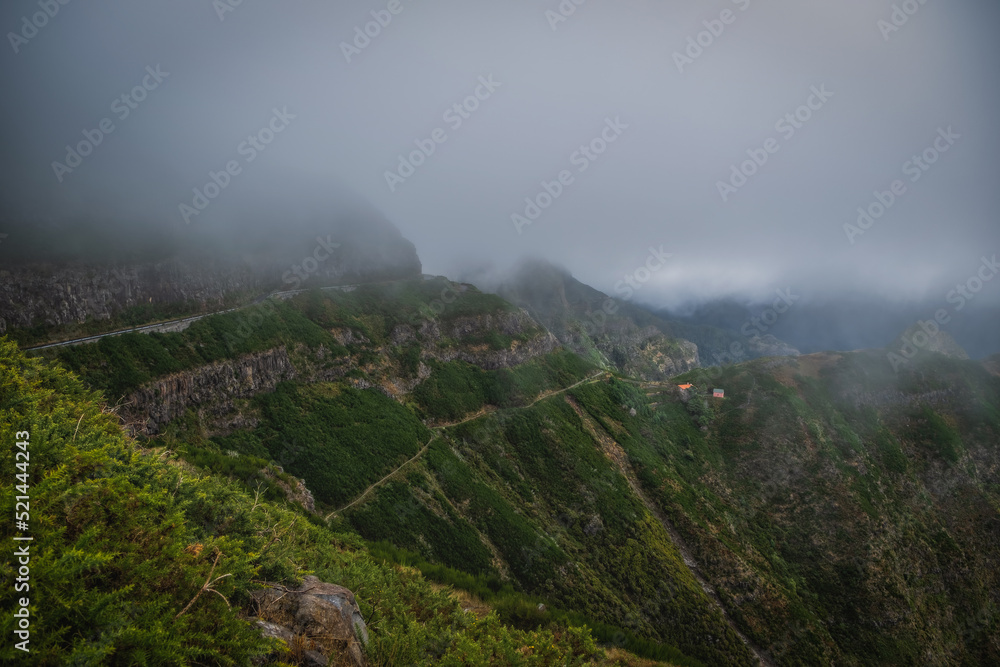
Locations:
(718, 393)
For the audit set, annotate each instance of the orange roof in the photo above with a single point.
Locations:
(685, 386)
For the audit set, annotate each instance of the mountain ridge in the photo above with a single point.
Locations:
(617, 498)
(620, 334)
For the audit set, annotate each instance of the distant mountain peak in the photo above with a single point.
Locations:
(925, 337)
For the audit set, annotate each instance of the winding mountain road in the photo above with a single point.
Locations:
(184, 322)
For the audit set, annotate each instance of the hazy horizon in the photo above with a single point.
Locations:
(614, 113)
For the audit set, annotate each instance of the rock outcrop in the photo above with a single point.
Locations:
(214, 389)
(54, 294)
(645, 352)
(295, 489)
(530, 340)
(320, 622)
(215, 386)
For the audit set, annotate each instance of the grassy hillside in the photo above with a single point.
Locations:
(120, 364)
(843, 514)
(850, 514)
(124, 539)
(827, 511)
(529, 495)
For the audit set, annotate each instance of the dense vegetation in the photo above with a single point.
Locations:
(853, 515)
(375, 310)
(339, 439)
(120, 364)
(812, 496)
(559, 520)
(456, 389)
(124, 540)
(843, 513)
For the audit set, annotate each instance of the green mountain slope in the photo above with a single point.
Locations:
(826, 511)
(855, 513)
(124, 538)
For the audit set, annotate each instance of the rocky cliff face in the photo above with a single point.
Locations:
(643, 352)
(769, 346)
(215, 389)
(52, 295)
(216, 386)
(530, 340)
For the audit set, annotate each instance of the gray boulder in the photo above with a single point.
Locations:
(320, 623)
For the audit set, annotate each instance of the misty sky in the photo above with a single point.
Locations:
(551, 86)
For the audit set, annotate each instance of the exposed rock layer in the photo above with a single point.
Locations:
(217, 385)
(53, 295)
